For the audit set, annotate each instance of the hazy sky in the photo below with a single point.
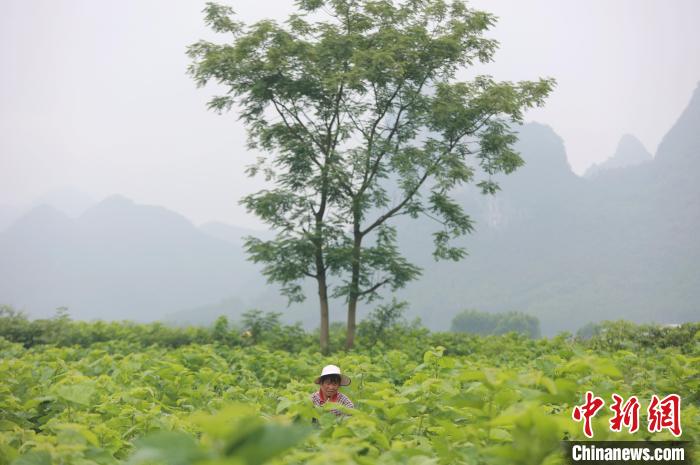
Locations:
(94, 94)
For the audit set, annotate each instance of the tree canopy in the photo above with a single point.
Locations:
(358, 112)
(484, 323)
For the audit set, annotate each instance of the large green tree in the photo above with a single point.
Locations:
(358, 109)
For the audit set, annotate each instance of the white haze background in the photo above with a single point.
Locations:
(94, 95)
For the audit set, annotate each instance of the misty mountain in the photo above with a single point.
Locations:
(8, 215)
(117, 260)
(232, 234)
(681, 145)
(622, 244)
(67, 200)
(566, 249)
(70, 201)
(629, 152)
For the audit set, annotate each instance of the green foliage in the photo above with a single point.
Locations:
(381, 319)
(623, 335)
(235, 435)
(475, 322)
(60, 330)
(386, 325)
(260, 325)
(357, 109)
(257, 328)
(268, 330)
(222, 333)
(437, 398)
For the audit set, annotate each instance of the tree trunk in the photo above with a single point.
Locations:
(354, 289)
(352, 312)
(323, 301)
(322, 289)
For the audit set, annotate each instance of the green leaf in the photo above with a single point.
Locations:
(169, 447)
(7, 425)
(266, 442)
(76, 393)
(35, 457)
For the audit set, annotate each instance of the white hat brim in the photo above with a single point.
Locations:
(344, 380)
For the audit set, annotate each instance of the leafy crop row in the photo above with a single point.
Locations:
(491, 400)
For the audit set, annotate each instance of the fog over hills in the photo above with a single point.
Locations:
(70, 201)
(571, 250)
(67, 200)
(233, 234)
(682, 143)
(620, 243)
(630, 152)
(117, 260)
(8, 215)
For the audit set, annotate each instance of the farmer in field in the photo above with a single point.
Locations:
(329, 382)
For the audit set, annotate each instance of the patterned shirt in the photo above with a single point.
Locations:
(318, 400)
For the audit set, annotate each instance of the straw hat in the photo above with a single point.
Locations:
(333, 370)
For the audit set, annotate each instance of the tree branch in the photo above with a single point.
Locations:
(375, 166)
(408, 197)
(291, 128)
(295, 116)
(374, 288)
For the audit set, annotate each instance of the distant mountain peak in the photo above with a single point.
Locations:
(44, 212)
(544, 153)
(109, 205)
(41, 219)
(119, 258)
(682, 142)
(630, 151)
(68, 200)
(117, 199)
(117, 210)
